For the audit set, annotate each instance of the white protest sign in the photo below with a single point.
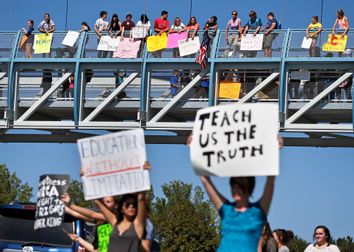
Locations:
(140, 31)
(306, 43)
(188, 47)
(112, 164)
(108, 44)
(236, 140)
(249, 42)
(70, 38)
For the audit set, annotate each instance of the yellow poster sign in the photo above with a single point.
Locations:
(158, 42)
(335, 43)
(229, 90)
(42, 43)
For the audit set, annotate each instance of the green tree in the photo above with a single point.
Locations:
(183, 220)
(345, 244)
(76, 193)
(11, 187)
(297, 244)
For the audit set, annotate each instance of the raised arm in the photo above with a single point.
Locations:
(77, 215)
(109, 216)
(90, 214)
(215, 197)
(139, 222)
(267, 196)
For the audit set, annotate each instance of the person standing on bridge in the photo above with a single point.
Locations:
(241, 221)
(269, 34)
(47, 25)
(233, 31)
(322, 237)
(100, 26)
(312, 32)
(30, 38)
(342, 22)
(161, 25)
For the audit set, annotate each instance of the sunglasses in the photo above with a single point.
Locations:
(130, 203)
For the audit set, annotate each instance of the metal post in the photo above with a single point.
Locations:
(212, 83)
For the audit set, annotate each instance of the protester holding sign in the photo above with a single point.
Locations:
(161, 27)
(241, 221)
(312, 32)
(254, 23)
(192, 28)
(342, 22)
(100, 26)
(103, 229)
(128, 223)
(177, 27)
(114, 27)
(269, 36)
(28, 38)
(47, 25)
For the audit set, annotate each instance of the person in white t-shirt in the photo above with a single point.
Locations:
(322, 238)
(100, 26)
(177, 27)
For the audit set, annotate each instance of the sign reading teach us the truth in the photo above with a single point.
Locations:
(113, 164)
(236, 140)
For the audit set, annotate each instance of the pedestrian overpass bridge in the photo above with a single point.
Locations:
(314, 94)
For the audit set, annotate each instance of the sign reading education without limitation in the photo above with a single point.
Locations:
(50, 209)
(113, 164)
(236, 140)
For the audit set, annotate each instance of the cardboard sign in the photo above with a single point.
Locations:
(156, 43)
(249, 42)
(104, 233)
(113, 164)
(173, 39)
(108, 44)
(50, 209)
(42, 43)
(127, 49)
(140, 31)
(306, 43)
(229, 90)
(236, 140)
(188, 47)
(70, 38)
(335, 43)
(23, 40)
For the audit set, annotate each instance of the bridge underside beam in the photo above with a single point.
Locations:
(312, 140)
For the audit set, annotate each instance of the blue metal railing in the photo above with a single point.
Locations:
(286, 49)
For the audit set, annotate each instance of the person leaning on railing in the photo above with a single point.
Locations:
(47, 25)
(177, 27)
(161, 25)
(312, 31)
(255, 25)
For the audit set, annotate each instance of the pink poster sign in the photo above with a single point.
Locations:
(128, 49)
(173, 39)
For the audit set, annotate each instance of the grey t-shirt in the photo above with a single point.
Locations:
(283, 249)
(45, 26)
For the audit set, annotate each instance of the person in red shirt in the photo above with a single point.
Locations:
(161, 25)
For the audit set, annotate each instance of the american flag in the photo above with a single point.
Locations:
(202, 58)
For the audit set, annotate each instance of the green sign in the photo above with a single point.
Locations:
(104, 233)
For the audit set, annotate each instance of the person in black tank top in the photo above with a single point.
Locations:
(128, 223)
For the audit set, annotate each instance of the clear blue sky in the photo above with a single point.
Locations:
(315, 185)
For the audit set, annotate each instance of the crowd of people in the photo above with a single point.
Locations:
(123, 224)
(234, 29)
